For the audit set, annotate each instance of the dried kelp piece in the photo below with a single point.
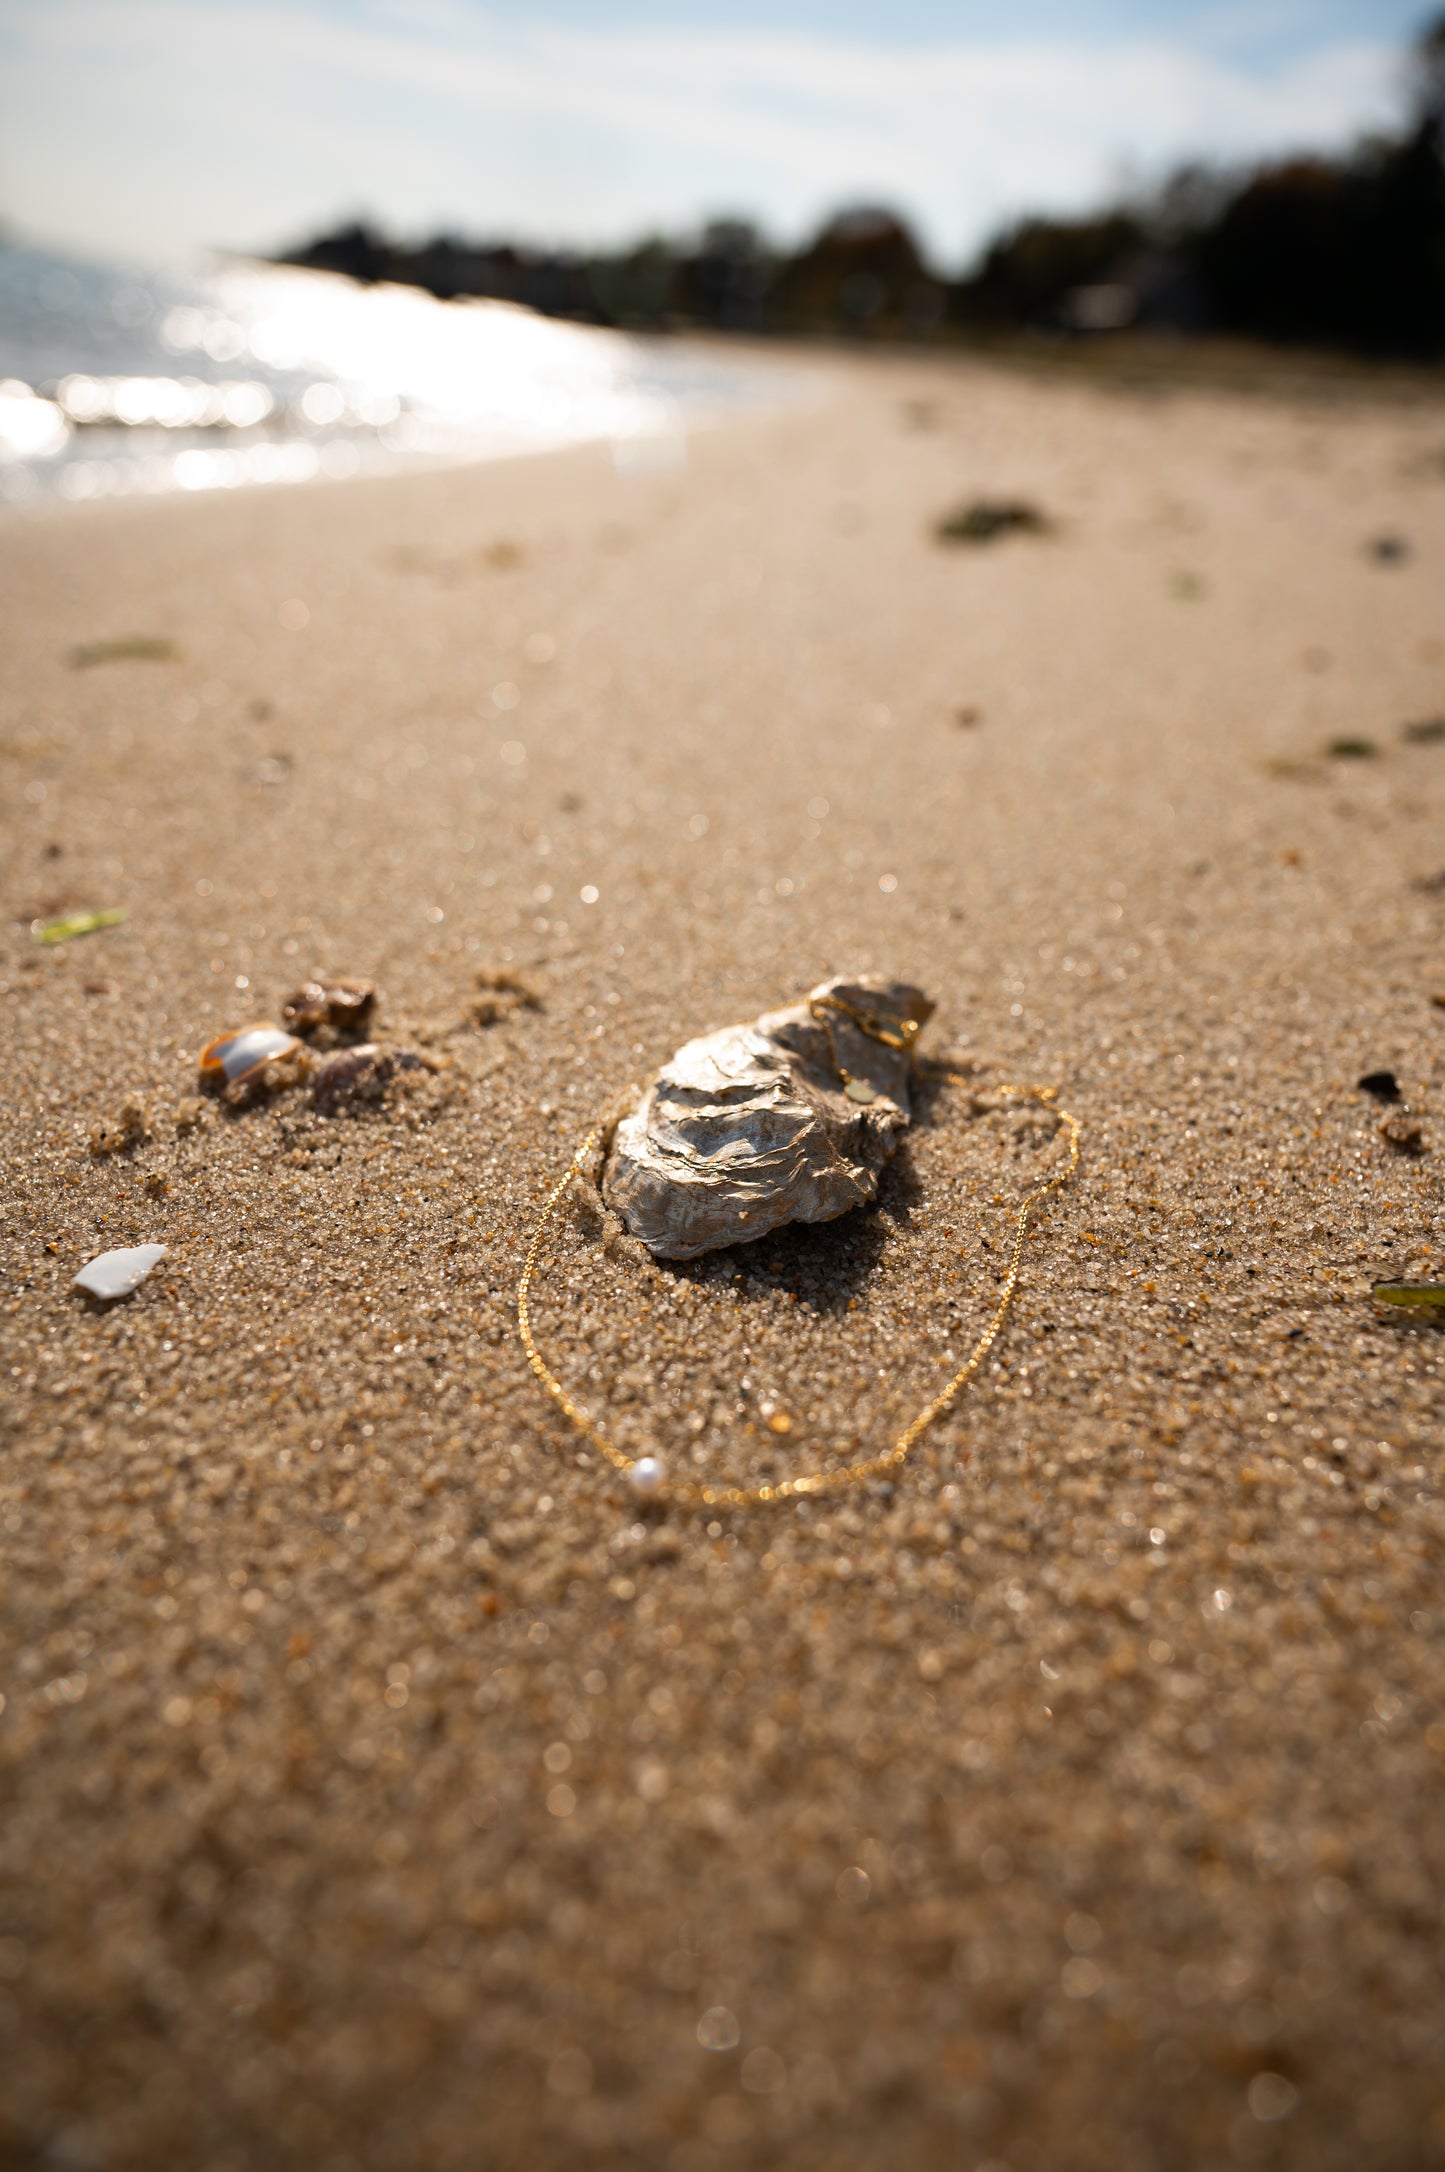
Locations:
(73, 924)
(1352, 749)
(502, 993)
(984, 520)
(117, 1274)
(1419, 1296)
(359, 1077)
(125, 649)
(754, 1126)
(345, 1006)
(247, 1066)
(1297, 768)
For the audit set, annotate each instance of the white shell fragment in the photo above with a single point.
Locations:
(237, 1053)
(753, 1126)
(116, 1274)
(248, 1066)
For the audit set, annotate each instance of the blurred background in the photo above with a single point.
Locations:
(239, 238)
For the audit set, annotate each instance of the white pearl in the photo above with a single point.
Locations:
(646, 1475)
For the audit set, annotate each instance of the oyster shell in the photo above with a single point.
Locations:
(752, 1127)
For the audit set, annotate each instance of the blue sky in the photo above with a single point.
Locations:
(153, 128)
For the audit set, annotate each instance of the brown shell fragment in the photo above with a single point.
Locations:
(757, 1125)
(359, 1077)
(343, 1005)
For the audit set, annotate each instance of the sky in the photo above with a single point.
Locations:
(155, 129)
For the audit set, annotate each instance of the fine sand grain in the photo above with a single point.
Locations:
(383, 1791)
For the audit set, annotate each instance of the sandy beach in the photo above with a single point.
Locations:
(383, 1790)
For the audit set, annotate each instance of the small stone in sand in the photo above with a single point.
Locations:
(1382, 1084)
(1404, 1133)
(359, 1077)
(502, 992)
(118, 1134)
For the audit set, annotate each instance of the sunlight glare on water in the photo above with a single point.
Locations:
(112, 384)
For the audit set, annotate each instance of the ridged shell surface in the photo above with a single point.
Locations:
(751, 1127)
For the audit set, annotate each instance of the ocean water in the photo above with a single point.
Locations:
(114, 382)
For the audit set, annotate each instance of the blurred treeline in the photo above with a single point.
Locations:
(1344, 252)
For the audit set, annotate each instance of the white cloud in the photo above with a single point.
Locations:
(162, 124)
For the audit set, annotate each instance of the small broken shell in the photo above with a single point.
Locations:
(258, 1060)
(787, 1119)
(117, 1274)
(343, 1005)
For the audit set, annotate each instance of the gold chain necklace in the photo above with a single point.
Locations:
(646, 1474)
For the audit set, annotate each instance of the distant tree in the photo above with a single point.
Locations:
(1349, 253)
(863, 272)
(1427, 78)
(637, 289)
(1027, 274)
(726, 280)
(354, 249)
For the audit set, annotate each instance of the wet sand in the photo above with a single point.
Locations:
(381, 1789)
